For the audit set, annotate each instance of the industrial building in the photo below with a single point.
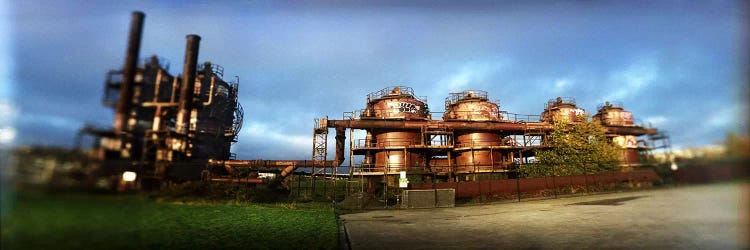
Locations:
(177, 128)
(474, 137)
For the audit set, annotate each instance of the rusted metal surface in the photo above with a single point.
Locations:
(122, 114)
(509, 127)
(340, 139)
(475, 154)
(389, 147)
(471, 105)
(610, 114)
(395, 103)
(503, 127)
(391, 154)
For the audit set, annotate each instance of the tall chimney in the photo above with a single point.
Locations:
(122, 115)
(188, 83)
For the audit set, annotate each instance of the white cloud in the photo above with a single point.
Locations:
(656, 121)
(7, 136)
(473, 72)
(562, 84)
(634, 78)
(7, 113)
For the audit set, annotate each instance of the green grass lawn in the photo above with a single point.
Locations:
(82, 221)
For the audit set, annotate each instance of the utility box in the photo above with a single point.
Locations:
(428, 198)
(445, 197)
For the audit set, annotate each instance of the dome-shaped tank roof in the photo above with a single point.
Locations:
(612, 114)
(561, 108)
(471, 105)
(397, 102)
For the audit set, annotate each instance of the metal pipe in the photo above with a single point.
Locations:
(188, 83)
(211, 92)
(122, 115)
(418, 125)
(340, 138)
(473, 126)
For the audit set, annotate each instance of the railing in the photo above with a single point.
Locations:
(393, 114)
(604, 105)
(215, 68)
(560, 101)
(364, 143)
(395, 90)
(619, 122)
(484, 143)
(483, 115)
(453, 98)
(521, 117)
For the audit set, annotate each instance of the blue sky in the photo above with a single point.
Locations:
(679, 65)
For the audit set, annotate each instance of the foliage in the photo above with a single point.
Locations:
(216, 191)
(576, 148)
(42, 221)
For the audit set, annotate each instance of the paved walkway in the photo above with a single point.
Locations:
(697, 217)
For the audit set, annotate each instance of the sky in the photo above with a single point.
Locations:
(680, 66)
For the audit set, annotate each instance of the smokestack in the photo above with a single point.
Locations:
(128, 72)
(188, 83)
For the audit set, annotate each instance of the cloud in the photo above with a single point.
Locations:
(7, 136)
(562, 84)
(631, 80)
(471, 73)
(722, 117)
(258, 131)
(656, 121)
(298, 63)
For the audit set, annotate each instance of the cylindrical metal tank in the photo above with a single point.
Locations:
(392, 153)
(214, 121)
(629, 144)
(561, 109)
(473, 151)
(610, 114)
(470, 105)
(395, 103)
(394, 156)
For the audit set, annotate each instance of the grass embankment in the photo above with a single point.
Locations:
(78, 221)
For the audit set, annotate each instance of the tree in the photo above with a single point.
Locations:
(576, 148)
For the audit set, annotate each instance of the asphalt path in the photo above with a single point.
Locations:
(693, 217)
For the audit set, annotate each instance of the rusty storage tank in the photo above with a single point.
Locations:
(561, 109)
(391, 152)
(472, 148)
(611, 114)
